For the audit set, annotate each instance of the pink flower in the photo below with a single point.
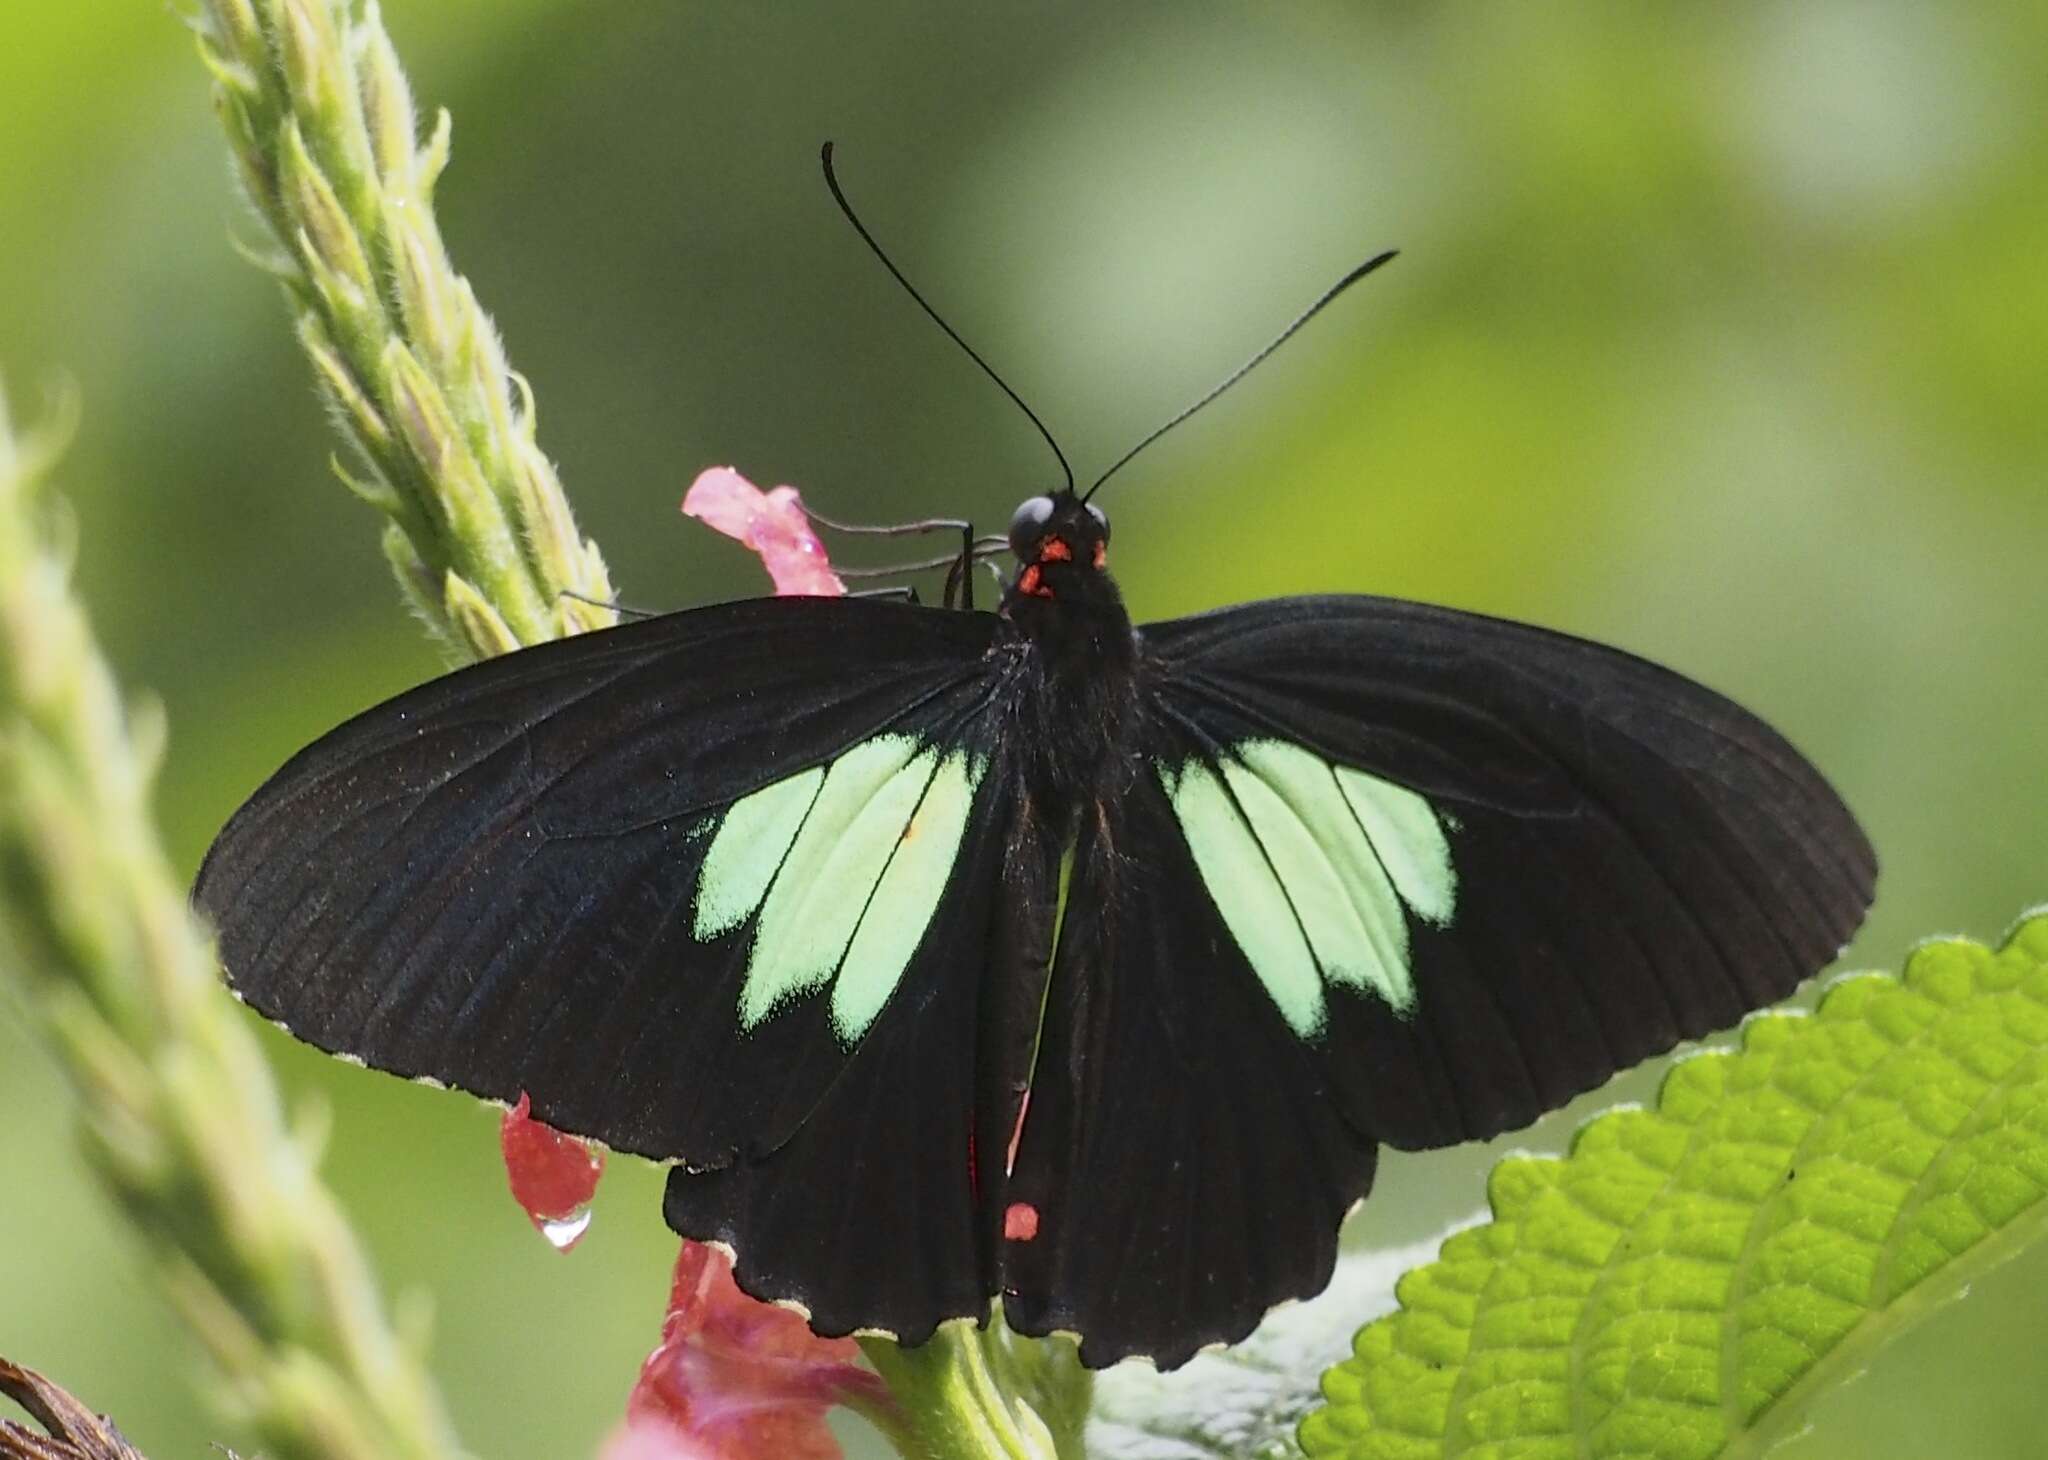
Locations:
(735, 1378)
(772, 523)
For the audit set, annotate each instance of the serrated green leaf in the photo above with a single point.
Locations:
(1688, 1277)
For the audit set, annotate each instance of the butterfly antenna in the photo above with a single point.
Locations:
(1245, 369)
(839, 197)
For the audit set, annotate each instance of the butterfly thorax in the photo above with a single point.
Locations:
(1073, 690)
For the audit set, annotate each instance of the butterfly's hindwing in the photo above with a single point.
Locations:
(1182, 1159)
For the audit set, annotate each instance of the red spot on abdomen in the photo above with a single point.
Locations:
(1020, 1222)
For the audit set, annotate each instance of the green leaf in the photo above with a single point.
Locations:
(1685, 1280)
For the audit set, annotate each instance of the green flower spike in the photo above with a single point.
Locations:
(180, 1115)
(326, 141)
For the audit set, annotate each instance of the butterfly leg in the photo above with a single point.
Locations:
(960, 577)
(611, 603)
(959, 588)
(917, 528)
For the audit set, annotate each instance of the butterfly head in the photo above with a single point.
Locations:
(1061, 543)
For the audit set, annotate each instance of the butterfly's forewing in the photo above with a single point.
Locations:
(1634, 858)
(1388, 873)
(630, 874)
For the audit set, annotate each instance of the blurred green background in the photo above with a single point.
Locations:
(1720, 333)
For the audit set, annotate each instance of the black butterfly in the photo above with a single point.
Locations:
(1028, 954)
(770, 888)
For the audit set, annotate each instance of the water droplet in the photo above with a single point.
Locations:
(566, 1232)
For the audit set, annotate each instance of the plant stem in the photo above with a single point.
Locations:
(985, 1394)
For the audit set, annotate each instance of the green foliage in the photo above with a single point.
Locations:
(1689, 1274)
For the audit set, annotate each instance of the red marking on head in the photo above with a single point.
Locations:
(1027, 582)
(1020, 1222)
(1055, 550)
(1101, 553)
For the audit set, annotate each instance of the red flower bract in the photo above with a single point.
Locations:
(553, 1175)
(736, 1378)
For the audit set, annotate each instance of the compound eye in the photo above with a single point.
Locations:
(1101, 520)
(1029, 525)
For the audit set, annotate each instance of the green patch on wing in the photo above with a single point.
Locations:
(1315, 869)
(841, 867)
(1690, 1276)
(752, 840)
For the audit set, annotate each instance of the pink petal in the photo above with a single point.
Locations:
(772, 523)
(653, 1439)
(723, 500)
(553, 1175)
(742, 1379)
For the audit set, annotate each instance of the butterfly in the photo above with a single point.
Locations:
(955, 956)
(1028, 954)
